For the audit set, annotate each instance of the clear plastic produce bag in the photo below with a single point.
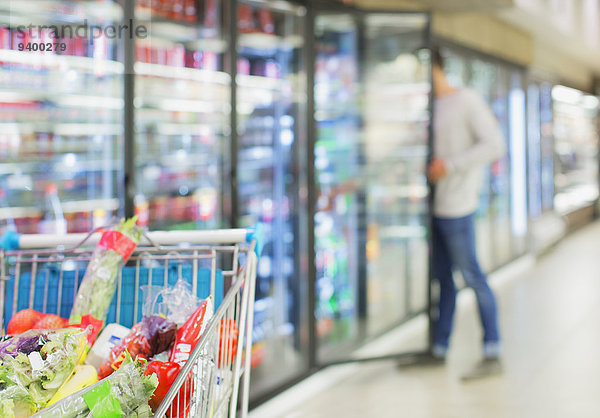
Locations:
(34, 365)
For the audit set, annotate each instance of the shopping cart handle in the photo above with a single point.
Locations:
(257, 234)
(10, 240)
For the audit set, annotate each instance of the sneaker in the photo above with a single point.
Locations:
(486, 368)
(421, 360)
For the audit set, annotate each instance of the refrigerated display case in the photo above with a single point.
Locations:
(61, 112)
(395, 148)
(576, 149)
(271, 141)
(182, 116)
(337, 161)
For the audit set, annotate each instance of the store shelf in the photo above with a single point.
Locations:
(61, 100)
(180, 105)
(68, 207)
(63, 129)
(255, 82)
(204, 129)
(193, 34)
(181, 73)
(61, 62)
(33, 166)
(264, 44)
(70, 12)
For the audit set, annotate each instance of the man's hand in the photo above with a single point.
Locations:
(436, 170)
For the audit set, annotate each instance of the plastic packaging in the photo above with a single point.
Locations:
(190, 332)
(124, 393)
(99, 283)
(111, 336)
(83, 376)
(151, 336)
(34, 365)
(177, 303)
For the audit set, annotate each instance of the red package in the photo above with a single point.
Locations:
(190, 332)
(147, 338)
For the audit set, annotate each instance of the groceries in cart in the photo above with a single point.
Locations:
(124, 393)
(57, 367)
(34, 365)
(100, 281)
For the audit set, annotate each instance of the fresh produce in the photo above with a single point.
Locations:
(23, 321)
(83, 376)
(28, 319)
(124, 393)
(34, 365)
(50, 321)
(190, 332)
(147, 338)
(166, 373)
(99, 283)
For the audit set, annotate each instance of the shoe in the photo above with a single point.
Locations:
(421, 360)
(486, 368)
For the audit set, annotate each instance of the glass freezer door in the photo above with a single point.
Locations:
(271, 136)
(394, 152)
(182, 117)
(61, 107)
(337, 162)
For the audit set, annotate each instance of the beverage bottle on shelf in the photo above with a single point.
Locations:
(7, 222)
(266, 21)
(53, 219)
(190, 11)
(211, 15)
(142, 209)
(245, 18)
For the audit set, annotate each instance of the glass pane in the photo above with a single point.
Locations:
(547, 146)
(394, 152)
(482, 80)
(182, 117)
(61, 112)
(534, 163)
(576, 148)
(336, 163)
(272, 144)
(518, 163)
(501, 191)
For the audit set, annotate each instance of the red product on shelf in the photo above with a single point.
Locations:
(193, 59)
(190, 11)
(245, 18)
(175, 9)
(176, 56)
(4, 37)
(210, 13)
(266, 22)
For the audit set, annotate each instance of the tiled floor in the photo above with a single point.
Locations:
(550, 319)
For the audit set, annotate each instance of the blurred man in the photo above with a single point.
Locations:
(466, 139)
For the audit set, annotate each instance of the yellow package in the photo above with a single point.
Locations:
(83, 377)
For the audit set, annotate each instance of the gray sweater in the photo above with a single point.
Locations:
(467, 138)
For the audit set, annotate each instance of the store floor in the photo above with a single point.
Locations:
(550, 320)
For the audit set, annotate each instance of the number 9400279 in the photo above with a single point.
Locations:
(43, 46)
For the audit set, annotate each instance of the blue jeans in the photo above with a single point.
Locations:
(454, 247)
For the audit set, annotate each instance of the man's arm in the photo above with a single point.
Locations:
(489, 143)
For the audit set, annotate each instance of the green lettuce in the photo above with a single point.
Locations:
(100, 281)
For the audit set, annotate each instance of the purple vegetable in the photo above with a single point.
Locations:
(159, 331)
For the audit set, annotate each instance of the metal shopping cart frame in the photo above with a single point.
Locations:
(208, 384)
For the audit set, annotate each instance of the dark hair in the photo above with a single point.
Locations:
(436, 57)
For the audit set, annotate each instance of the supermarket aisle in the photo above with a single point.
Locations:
(549, 319)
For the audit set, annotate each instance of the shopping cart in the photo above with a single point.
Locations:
(43, 272)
